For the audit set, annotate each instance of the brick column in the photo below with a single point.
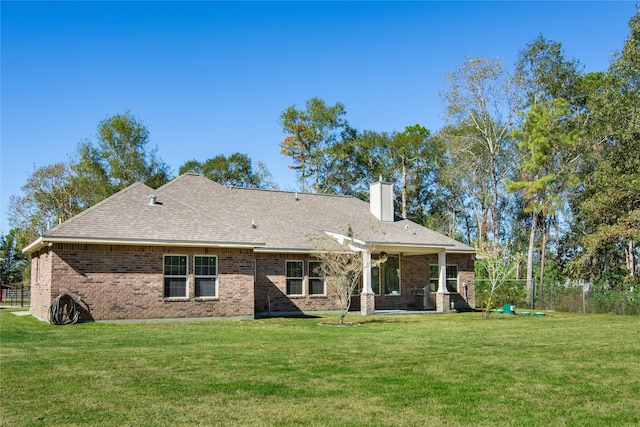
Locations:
(442, 302)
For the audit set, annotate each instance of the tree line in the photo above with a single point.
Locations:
(543, 160)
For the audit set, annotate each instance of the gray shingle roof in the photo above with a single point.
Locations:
(195, 210)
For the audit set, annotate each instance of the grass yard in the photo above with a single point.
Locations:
(425, 370)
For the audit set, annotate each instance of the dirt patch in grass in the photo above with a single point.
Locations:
(342, 325)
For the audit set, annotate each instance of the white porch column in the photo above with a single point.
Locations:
(366, 272)
(442, 296)
(367, 297)
(442, 272)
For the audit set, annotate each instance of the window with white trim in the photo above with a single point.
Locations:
(295, 277)
(206, 276)
(375, 274)
(391, 271)
(175, 276)
(316, 278)
(451, 277)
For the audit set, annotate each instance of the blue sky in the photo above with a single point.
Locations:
(210, 78)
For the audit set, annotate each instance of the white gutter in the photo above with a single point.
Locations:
(41, 242)
(36, 245)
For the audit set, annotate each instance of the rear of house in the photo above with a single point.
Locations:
(195, 249)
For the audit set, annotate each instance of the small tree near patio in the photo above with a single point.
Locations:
(341, 264)
(499, 266)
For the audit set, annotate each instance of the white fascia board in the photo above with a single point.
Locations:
(264, 250)
(34, 246)
(404, 247)
(355, 245)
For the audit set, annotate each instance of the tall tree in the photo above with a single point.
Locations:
(544, 73)
(549, 147)
(49, 197)
(460, 190)
(608, 208)
(554, 111)
(12, 261)
(356, 161)
(410, 158)
(482, 103)
(309, 133)
(122, 157)
(235, 170)
(59, 191)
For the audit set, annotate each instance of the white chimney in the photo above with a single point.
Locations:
(381, 200)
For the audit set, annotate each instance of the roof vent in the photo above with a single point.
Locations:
(152, 200)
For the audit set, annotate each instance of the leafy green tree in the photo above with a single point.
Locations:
(49, 196)
(551, 152)
(121, 158)
(57, 192)
(310, 132)
(235, 170)
(411, 160)
(499, 266)
(544, 73)
(482, 103)
(549, 146)
(356, 161)
(607, 210)
(12, 261)
(456, 205)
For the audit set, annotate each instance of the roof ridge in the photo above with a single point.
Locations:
(90, 209)
(180, 177)
(272, 190)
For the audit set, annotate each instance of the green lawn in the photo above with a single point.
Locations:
(444, 370)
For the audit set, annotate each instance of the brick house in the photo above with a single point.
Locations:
(194, 248)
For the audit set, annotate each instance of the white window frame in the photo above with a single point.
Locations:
(383, 271)
(378, 292)
(322, 277)
(447, 279)
(196, 276)
(287, 278)
(166, 276)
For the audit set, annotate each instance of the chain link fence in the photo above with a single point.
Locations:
(574, 297)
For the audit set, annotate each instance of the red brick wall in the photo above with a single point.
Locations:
(414, 270)
(415, 274)
(126, 282)
(41, 283)
(466, 275)
(271, 282)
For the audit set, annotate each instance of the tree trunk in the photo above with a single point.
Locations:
(532, 238)
(404, 190)
(495, 218)
(543, 250)
(631, 258)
